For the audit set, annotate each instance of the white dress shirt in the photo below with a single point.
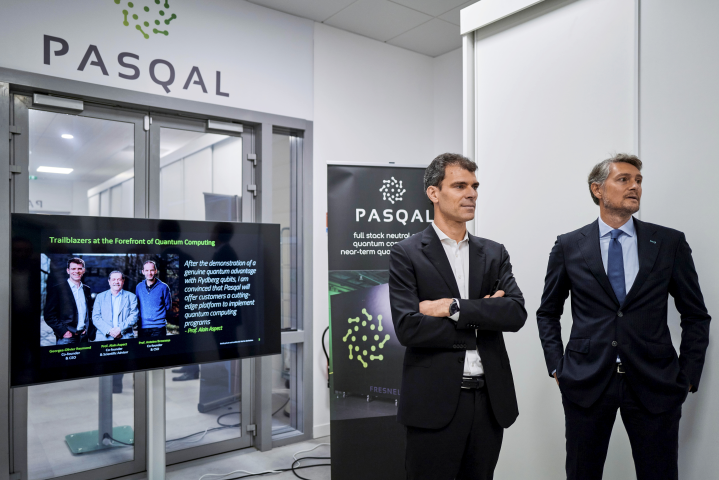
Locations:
(116, 304)
(458, 256)
(79, 295)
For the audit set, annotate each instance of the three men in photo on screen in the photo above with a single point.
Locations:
(77, 315)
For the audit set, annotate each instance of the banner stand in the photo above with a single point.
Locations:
(370, 208)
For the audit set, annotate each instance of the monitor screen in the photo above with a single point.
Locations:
(97, 296)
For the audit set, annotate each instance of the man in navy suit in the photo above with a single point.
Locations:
(619, 356)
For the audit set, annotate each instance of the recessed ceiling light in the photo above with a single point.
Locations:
(67, 135)
(64, 171)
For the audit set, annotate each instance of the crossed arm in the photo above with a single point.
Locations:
(426, 324)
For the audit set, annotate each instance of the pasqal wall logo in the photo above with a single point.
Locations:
(146, 18)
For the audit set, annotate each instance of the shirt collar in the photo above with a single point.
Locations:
(442, 236)
(628, 228)
(73, 286)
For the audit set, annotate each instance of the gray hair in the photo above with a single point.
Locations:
(434, 174)
(600, 172)
(109, 277)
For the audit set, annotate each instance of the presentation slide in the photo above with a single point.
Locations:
(97, 296)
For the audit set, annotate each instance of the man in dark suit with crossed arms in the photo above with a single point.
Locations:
(457, 388)
(620, 355)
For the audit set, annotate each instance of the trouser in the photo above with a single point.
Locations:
(654, 438)
(76, 338)
(151, 332)
(466, 449)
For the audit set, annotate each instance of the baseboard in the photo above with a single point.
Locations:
(321, 430)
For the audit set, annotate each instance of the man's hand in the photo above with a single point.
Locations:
(68, 334)
(114, 332)
(555, 378)
(435, 308)
(498, 293)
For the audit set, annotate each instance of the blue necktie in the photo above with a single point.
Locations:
(615, 266)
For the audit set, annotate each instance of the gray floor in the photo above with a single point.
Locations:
(254, 461)
(59, 409)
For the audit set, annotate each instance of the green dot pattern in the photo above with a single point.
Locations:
(373, 322)
(146, 16)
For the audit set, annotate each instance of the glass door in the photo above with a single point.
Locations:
(198, 173)
(88, 162)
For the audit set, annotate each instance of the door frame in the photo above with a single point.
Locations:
(262, 124)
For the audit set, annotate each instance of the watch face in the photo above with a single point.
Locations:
(453, 307)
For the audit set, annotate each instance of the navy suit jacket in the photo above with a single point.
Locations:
(637, 330)
(434, 360)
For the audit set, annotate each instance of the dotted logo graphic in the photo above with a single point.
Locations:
(374, 336)
(156, 14)
(392, 190)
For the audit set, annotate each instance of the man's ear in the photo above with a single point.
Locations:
(432, 194)
(597, 190)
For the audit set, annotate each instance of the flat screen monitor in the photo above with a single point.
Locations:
(98, 296)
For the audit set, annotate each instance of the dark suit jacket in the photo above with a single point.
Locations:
(61, 311)
(637, 330)
(434, 360)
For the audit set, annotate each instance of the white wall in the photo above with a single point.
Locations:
(555, 95)
(447, 99)
(679, 120)
(264, 56)
(373, 102)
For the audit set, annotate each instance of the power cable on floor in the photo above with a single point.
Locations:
(292, 468)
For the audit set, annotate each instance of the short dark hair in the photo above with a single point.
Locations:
(434, 173)
(76, 260)
(600, 172)
(149, 261)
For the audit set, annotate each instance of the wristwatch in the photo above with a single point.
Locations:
(453, 307)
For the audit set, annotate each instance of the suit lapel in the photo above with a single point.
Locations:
(647, 249)
(589, 246)
(434, 251)
(476, 267)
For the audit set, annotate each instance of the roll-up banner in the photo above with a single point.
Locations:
(370, 208)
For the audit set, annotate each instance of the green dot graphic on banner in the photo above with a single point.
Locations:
(365, 338)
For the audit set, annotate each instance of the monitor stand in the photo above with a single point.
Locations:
(105, 437)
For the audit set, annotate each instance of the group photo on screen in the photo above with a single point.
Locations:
(108, 297)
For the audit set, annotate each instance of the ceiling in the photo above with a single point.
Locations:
(430, 27)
